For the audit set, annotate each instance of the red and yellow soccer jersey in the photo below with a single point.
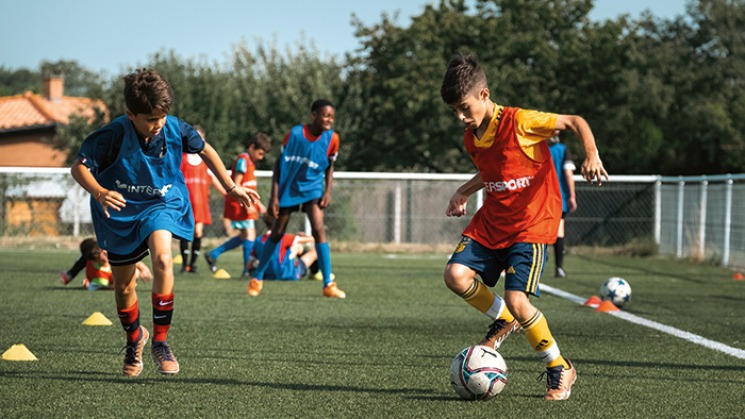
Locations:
(523, 200)
(233, 210)
(197, 177)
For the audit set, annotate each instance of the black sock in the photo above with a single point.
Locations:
(196, 246)
(559, 252)
(184, 253)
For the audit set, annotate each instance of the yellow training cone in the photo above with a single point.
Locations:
(97, 319)
(178, 260)
(221, 274)
(19, 352)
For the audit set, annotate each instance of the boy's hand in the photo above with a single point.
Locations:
(110, 199)
(144, 272)
(325, 200)
(245, 196)
(592, 169)
(457, 205)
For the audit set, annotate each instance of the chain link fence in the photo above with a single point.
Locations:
(701, 218)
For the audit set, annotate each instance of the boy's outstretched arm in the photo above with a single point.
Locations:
(244, 196)
(459, 200)
(592, 168)
(106, 198)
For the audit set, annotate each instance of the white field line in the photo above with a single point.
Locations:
(699, 340)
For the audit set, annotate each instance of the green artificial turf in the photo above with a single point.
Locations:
(383, 352)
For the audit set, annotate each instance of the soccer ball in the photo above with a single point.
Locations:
(617, 290)
(478, 373)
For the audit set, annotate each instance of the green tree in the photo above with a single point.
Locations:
(79, 81)
(15, 82)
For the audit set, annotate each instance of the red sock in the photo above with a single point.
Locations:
(162, 312)
(130, 319)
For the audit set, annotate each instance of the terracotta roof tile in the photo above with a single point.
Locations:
(28, 110)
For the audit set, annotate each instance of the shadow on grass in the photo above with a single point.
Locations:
(101, 377)
(644, 365)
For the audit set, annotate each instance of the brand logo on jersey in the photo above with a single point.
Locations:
(511, 270)
(144, 189)
(301, 160)
(508, 185)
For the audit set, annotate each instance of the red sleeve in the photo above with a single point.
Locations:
(288, 240)
(287, 138)
(333, 146)
(285, 243)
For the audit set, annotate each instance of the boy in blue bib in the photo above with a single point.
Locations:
(139, 203)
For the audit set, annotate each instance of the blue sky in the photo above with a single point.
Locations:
(114, 36)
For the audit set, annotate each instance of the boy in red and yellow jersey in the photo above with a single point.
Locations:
(520, 215)
(241, 218)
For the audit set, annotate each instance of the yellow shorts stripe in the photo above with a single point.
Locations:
(536, 267)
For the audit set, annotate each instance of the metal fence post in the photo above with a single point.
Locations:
(727, 221)
(702, 218)
(397, 214)
(679, 223)
(658, 212)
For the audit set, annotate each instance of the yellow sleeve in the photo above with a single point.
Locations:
(533, 127)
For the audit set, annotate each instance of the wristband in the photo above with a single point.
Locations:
(231, 189)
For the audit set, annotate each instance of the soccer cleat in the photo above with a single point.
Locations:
(132, 366)
(164, 358)
(65, 277)
(332, 291)
(559, 381)
(498, 332)
(254, 287)
(184, 268)
(561, 273)
(193, 269)
(211, 261)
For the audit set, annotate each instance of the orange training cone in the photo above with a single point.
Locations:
(606, 306)
(738, 276)
(593, 301)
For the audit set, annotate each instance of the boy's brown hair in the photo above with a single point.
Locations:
(463, 74)
(147, 91)
(260, 141)
(89, 249)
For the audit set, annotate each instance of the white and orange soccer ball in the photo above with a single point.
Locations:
(478, 373)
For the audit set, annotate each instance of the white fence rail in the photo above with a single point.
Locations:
(700, 217)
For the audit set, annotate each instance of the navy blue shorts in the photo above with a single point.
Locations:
(304, 207)
(522, 262)
(301, 269)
